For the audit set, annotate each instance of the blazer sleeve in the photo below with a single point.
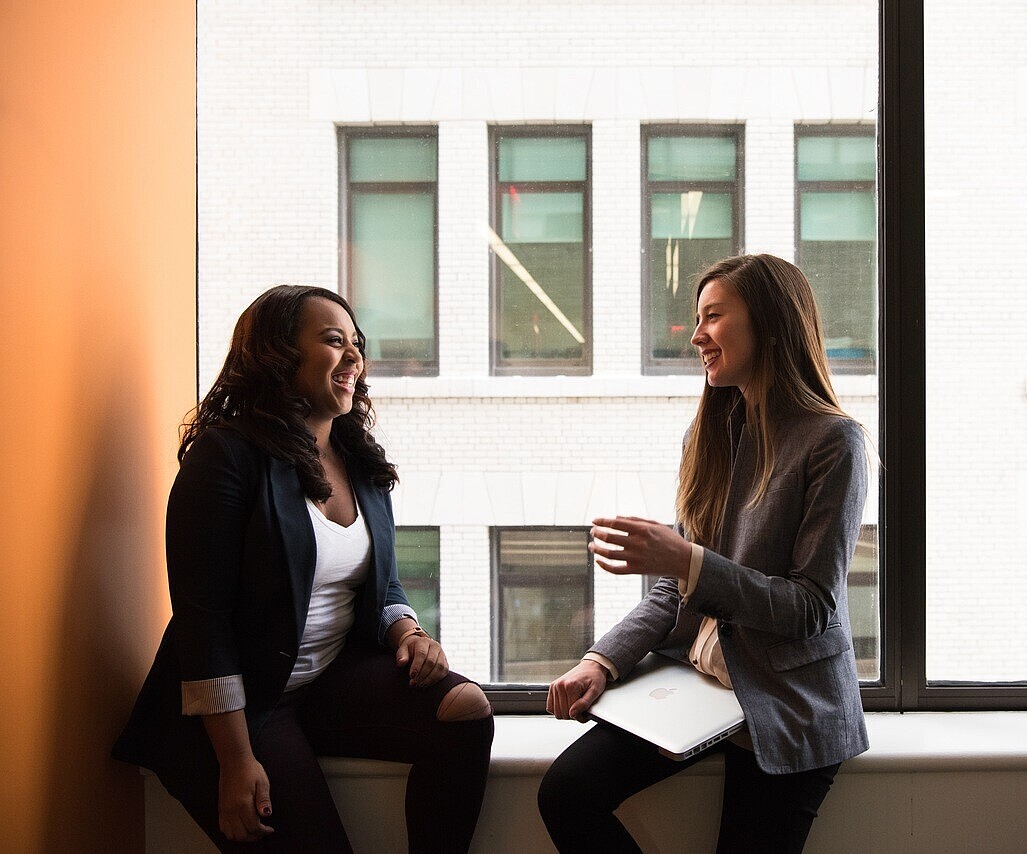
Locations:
(803, 602)
(396, 605)
(643, 629)
(208, 513)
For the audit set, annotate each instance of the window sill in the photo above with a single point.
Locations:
(525, 745)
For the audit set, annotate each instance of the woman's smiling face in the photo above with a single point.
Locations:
(330, 359)
(723, 336)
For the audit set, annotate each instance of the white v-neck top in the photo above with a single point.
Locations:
(341, 566)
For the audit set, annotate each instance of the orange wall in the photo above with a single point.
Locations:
(97, 367)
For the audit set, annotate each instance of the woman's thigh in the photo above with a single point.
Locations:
(768, 812)
(606, 766)
(364, 706)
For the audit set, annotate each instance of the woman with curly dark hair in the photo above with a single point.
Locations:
(291, 636)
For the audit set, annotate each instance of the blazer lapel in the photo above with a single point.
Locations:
(288, 503)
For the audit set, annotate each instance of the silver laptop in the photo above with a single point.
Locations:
(671, 704)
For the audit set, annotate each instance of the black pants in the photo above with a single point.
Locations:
(361, 706)
(762, 812)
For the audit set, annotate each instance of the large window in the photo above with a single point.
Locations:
(836, 237)
(542, 602)
(540, 240)
(417, 556)
(389, 213)
(692, 217)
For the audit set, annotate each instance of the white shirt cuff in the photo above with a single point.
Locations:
(599, 658)
(694, 568)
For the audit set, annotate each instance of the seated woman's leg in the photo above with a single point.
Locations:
(768, 813)
(303, 816)
(593, 777)
(363, 706)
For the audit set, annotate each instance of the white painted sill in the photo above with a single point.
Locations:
(525, 745)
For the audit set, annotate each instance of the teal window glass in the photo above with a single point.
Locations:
(402, 159)
(692, 191)
(417, 557)
(541, 297)
(692, 158)
(542, 158)
(544, 605)
(837, 241)
(391, 197)
(837, 158)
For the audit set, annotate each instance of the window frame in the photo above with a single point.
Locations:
(843, 130)
(344, 133)
(665, 367)
(525, 367)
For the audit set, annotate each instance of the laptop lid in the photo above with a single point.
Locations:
(671, 704)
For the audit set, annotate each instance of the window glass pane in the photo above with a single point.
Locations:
(534, 159)
(837, 158)
(393, 272)
(417, 557)
(377, 159)
(692, 215)
(545, 602)
(865, 606)
(976, 326)
(697, 158)
(837, 240)
(541, 217)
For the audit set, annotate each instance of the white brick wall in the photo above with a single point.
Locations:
(275, 77)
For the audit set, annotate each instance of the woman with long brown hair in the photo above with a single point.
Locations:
(771, 489)
(291, 636)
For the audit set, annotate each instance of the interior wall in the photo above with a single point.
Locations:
(97, 368)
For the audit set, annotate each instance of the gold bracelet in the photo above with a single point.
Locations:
(416, 630)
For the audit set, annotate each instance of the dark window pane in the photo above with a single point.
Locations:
(844, 281)
(545, 602)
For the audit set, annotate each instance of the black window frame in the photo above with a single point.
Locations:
(841, 130)
(538, 579)
(902, 528)
(664, 367)
(344, 133)
(499, 366)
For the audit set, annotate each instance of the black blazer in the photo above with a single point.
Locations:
(241, 552)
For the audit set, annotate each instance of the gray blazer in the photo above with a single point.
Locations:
(776, 585)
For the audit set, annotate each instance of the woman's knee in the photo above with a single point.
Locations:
(464, 702)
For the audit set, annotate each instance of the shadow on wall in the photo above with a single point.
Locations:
(111, 601)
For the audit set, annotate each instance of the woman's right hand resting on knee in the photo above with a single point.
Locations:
(573, 694)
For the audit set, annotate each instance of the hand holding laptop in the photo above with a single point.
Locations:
(572, 695)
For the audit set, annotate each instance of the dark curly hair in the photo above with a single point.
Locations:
(254, 394)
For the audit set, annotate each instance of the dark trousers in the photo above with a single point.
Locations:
(361, 706)
(762, 812)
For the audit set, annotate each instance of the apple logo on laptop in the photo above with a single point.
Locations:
(661, 693)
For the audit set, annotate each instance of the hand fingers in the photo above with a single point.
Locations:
(585, 701)
(262, 800)
(418, 652)
(435, 666)
(618, 567)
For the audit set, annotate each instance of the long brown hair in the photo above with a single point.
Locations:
(254, 394)
(789, 376)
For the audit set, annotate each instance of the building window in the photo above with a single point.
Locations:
(836, 237)
(865, 605)
(417, 555)
(691, 218)
(542, 602)
(389, 215)
(540, 239)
